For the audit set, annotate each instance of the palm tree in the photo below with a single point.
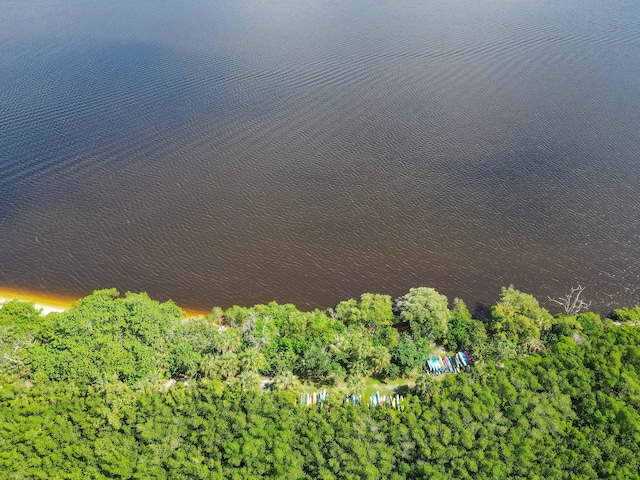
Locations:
(228, 341)
(425, 386)
(380, 358)
(360, 368)
(228, 365)
(248, 381)
(355, 385)
(210, 366)
(152, 382)
(339, 343)
(251, 360)
(286, 381)
(217, 315)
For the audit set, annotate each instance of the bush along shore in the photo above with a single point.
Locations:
(126, 387)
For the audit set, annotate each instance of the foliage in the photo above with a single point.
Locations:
(372, 310)
(519, 317)
(189, 341)
(16, 313)
(315, 363)
(426, 385)
(626, 314)
(104, 335)
(590, 322)
(427, 312)
(563, 326)
(248, 380)
(570, 410)
(496, 350)
(410, 354)
(355, 385)
(18, 323)
(463, 332)
(286, 381)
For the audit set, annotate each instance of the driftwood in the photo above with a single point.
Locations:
(571, 302)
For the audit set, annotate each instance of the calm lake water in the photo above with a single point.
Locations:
(233, 151)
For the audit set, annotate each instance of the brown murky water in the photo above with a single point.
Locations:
(219, 152)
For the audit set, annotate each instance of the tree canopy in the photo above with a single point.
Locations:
(519, 317)
(84, 393)
(105, 336)
(427, 312)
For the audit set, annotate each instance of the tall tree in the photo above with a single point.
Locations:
(373, 310)
(104, 334)
(251, 360)
(19, 322)
(519, 317)
(427, 312)
(286, 381)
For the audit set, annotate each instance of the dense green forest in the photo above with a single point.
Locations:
(126, 387)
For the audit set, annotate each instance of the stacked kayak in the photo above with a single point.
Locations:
(315, 398)
(393, 401)
(449, 364)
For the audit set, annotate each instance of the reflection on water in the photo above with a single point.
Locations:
(221, 152)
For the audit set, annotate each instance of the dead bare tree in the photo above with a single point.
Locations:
(571, 302)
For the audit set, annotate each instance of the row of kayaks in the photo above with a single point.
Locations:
(393, 401)
(449, 364)
(315, 398)
(377, 400)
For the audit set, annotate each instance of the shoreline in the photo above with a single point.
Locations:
(49, 303)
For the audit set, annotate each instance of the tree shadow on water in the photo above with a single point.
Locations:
(482, 312)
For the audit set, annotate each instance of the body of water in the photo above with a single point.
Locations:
(219, 152)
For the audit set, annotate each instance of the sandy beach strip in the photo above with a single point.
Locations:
(42, 301)
(58, 303)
